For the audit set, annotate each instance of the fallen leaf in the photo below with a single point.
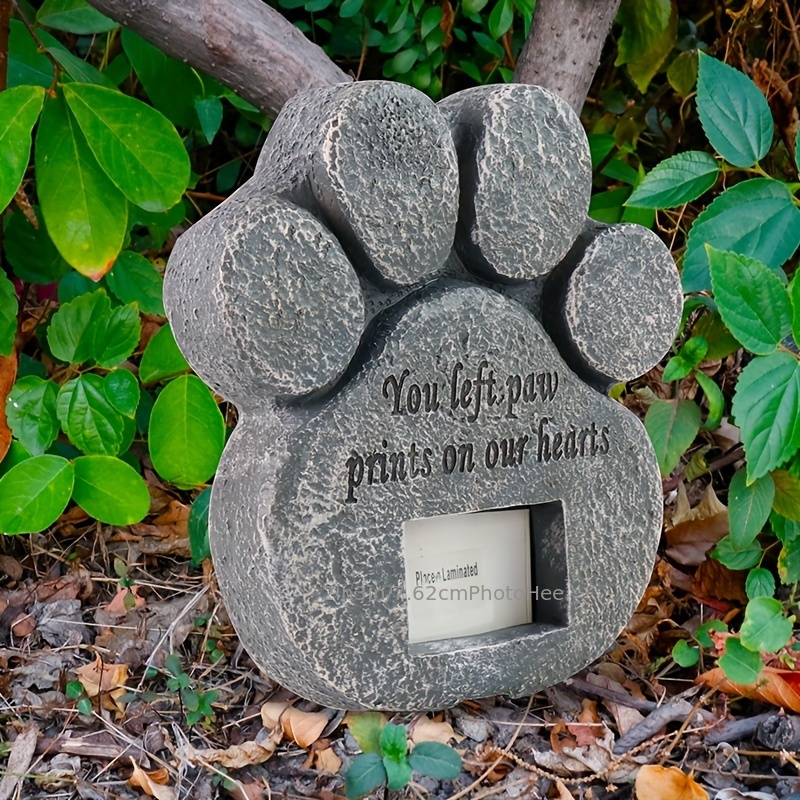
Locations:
(19, 759)
(327, 761)
(589, 727)
(104, 680)
(237, 756)
(625, 717)
(448, 17)
(152, 783)
(563, 792)
(692, 532)
(715, 580)
(302, 727)
(8, 373)
(780, 687)
(117, 605)
(427, 730)
(667, 783)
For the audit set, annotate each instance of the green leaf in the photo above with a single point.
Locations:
(198, 530)
(643, 22)
(682, 73)
(209, 112)
(684, 654)
(766, 406)
(9, 308)
(735, 558)
(75, 326)
(689, 356)
(394, 741)
(110, 491)
(364, 775)
(31, 251)
(133, 279)
(644, 68)
(74, 690)
(748, 507)
(676, 181)
(92, 424)
(118, 336)
(26, 65)
(740, 664)
(73, 285)
(170, 84)
(759, 583)
(721, 342)
(34, 493)
(751, 299)
(787, 494)
(85, 214)
(136, 146)
(785, 530)
(17, 453)
(398, 773)
(123, 392)
(755, 218)
(672, 426)
(366, 728)
(162, 358)
(733, 112)
(501, 18)
(31, 412)
(714, 399)
(431, 20)
(436, 760)
(702, 636)
(187, 432)
(765, 627)
(85, 706)
(789, 563)
(73, 16)
(19, 110)
(794, 295)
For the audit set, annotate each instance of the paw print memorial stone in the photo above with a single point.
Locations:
(428, 496)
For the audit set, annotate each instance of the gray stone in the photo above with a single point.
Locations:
(526, 178)
(440, 392)
(612, 305)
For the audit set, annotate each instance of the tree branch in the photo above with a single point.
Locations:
(244, 44)
(563, 51)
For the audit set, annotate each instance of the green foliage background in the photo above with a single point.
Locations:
(113, 148)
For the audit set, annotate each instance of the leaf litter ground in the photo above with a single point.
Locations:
(122, 677)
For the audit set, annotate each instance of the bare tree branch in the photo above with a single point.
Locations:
(563, 50)
(245, 44)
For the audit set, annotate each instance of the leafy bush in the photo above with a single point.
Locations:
(739, 297)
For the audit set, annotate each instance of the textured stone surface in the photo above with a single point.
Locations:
(334, 449)
(376, 161)
(526, 178)
(612, 304)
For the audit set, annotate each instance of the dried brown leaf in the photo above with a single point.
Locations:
(19, 759)
(427, 730)
(152, 783)
(780, 687)
(104, 680)
(715, 580)
(692, 532)
(237, 756)
(8, 373)
(302, 727)
(667, 783)
(327, 761)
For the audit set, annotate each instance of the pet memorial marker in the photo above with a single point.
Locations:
(428, 496)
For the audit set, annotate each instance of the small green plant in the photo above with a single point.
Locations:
(75, 691)
(196, 703)
(739, 297)
(386, 760)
